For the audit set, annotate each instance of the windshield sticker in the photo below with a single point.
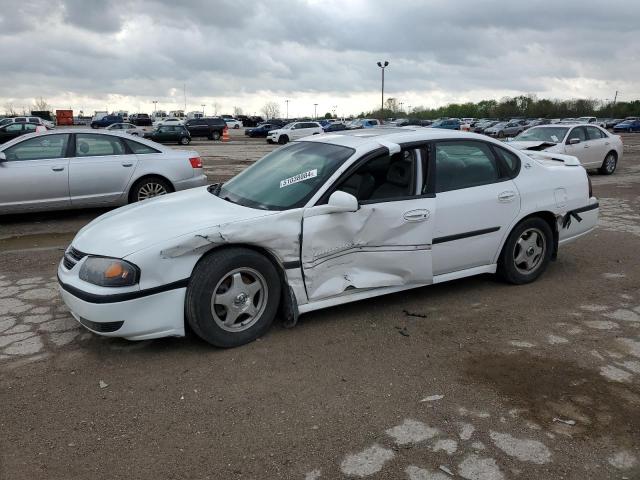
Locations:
(301, 177)
(554, 138)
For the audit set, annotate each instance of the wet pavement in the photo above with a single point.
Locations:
(471, 379)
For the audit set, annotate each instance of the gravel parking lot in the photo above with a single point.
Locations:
(471, 379)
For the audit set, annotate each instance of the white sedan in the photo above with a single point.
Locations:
(321, 222)
(233, 123)
(591, 144)
(129, 128)
(78, 168)
(294, 131)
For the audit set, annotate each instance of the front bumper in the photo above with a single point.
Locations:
(147, 316)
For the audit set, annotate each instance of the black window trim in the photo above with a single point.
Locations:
(502, 169)
(66, 154)
(369, 156)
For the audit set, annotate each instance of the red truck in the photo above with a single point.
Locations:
(64, 117)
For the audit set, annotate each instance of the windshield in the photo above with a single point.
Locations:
(288, 126)
(543, 134)
(287, 177)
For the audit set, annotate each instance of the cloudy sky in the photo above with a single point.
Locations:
(97, 54)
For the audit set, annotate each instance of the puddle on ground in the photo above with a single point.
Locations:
(547, 388)
(36, 240)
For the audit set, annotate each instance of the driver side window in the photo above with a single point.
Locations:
(383, 178)
(578, 133)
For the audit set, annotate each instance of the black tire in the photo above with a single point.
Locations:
(184, 141)
(269, 141)
(149, 184)
(500, 134)
(215, 136)
(236, 126)
(283, 140)
(609, 164)
(512, 271)
(207, 277)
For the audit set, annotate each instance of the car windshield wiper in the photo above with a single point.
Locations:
(215, 188)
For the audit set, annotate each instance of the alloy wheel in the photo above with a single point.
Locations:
(529, 251)
(150, 190)
(239, 299)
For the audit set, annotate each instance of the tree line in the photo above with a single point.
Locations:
(509, 107)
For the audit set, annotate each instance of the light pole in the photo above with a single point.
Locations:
(408, 109)
(315, 111)
(155, 103)
(334, 108)
(203, 109)
(287, 102)
(401, 110)
(382, 66)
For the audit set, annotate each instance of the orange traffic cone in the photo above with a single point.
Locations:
(225, 134)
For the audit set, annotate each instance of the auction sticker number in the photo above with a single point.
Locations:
(301, 177)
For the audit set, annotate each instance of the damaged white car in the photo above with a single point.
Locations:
(591, 144)
(320, 222)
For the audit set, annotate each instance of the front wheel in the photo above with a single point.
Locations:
(609, 164)
(527, 251)
(283, 140)
(232, 297)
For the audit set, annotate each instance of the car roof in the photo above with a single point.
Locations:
(398, 135)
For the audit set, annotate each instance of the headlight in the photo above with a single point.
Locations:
(109, 272)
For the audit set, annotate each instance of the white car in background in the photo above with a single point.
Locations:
(592, 145)
(320, 222)
(294, 131)
(76, 168)
(168, 122)
(129, 128)
(233, 123)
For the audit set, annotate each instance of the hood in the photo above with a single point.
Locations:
(531, 145)
(129, 229)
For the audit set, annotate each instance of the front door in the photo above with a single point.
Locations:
(35, 174)
(100, 170)
(387, 242)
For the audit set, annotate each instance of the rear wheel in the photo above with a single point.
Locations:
(283, 140)
(215, 136)
(527, 251)
(149, 187)
(233, 297)
(609, 164)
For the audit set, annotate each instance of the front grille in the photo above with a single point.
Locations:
(71, 257)
(101, 327)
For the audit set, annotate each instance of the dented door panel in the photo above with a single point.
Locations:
(380, 245)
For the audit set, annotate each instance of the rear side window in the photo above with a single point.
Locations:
(594, 133)
(139, 148)
(509, 160)
(463, 165)
(216, 121)
(92, 145)
(39, 148)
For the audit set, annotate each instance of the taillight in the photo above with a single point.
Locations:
(590, 186)
(226, 129)
(196, 162)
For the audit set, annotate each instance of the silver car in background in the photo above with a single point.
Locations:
(76, 168)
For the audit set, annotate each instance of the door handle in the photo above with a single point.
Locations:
(419, 215)
(586, 146)
(57, 169)
(127, 164)
(606, 143)
(507, 196)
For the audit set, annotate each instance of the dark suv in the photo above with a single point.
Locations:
(211, 127)
(141, 120)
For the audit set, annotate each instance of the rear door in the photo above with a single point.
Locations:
(598, 144)
(100, 170)
(476, 200)
(35, 175)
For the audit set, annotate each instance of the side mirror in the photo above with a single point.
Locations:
(573, 141)
(3, 157)
(339, 202)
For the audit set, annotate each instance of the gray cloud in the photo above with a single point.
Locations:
(142, 49)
